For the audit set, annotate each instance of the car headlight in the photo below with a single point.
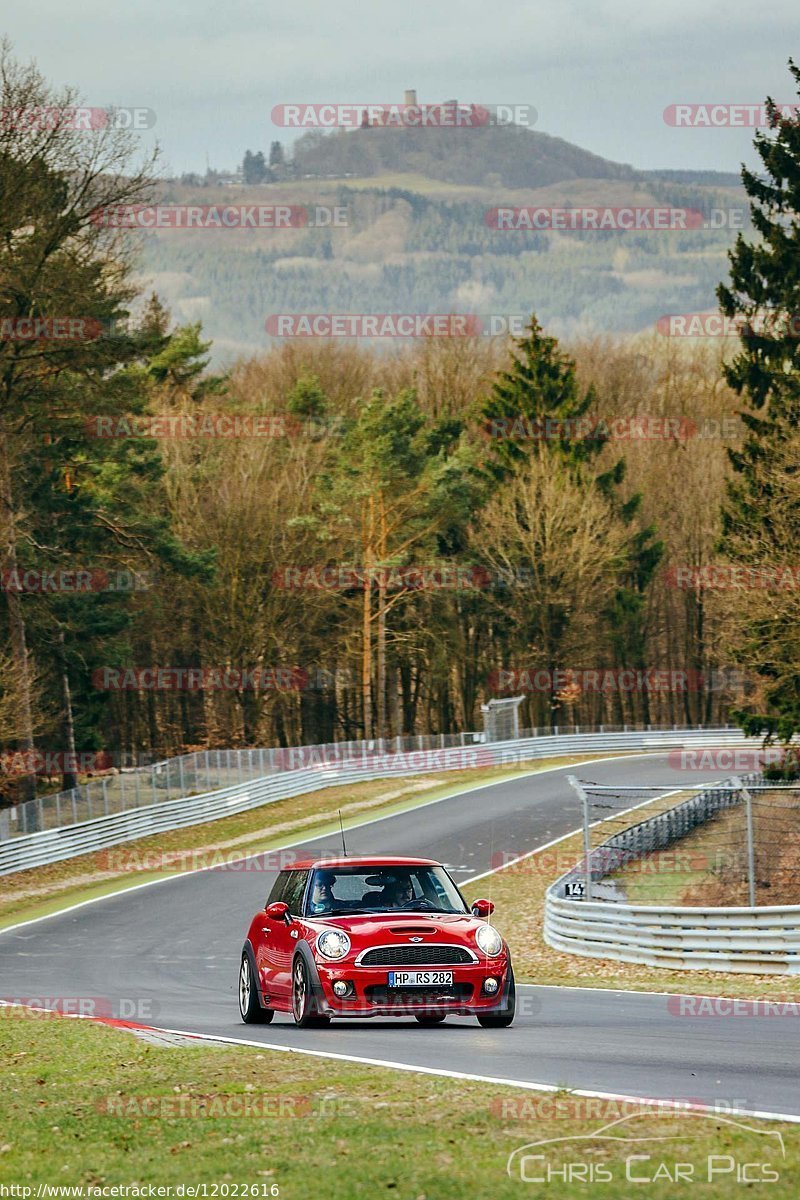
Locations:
(489, 940)
(333, 944)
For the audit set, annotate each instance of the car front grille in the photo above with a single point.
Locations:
(412, 956)
(387, 997)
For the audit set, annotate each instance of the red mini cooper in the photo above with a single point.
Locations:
(374, 937)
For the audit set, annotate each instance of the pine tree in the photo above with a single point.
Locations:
(764, 294)
(539, 407)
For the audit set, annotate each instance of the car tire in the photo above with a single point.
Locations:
(502, 1018)
(433, 1018)
(250, 1009)
(305, 1008)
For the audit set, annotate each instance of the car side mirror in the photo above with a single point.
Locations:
(482, 908)
(277, 911)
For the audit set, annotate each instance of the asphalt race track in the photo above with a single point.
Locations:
(172, 950)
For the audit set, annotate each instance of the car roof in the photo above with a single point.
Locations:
(372, 860)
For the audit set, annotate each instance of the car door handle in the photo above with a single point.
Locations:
(265, 930)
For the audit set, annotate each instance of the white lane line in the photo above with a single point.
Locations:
(441, 1072)
(302, 841)
(546, 846)
(526, 1085)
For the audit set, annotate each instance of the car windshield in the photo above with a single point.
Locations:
(340, 890)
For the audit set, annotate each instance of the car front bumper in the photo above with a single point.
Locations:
(371, 996)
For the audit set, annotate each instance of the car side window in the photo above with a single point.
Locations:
(279, 887)
(293, 894)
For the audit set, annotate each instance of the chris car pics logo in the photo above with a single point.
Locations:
(648, 1148)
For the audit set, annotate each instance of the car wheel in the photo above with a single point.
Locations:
(502, 1019)
(249, 1007)
(304, 1002)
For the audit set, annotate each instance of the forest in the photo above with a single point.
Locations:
(327, 541)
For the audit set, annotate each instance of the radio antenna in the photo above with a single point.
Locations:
(341, 828)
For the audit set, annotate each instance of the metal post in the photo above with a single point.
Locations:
(587, 845)
(180, 773)
(751, 850)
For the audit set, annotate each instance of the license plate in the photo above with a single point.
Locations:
(420, 979)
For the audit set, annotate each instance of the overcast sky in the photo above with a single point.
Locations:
(599, 72)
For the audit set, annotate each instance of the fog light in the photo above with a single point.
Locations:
(340, 988)
(490, 986)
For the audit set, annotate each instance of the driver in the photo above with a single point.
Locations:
(322, 898)
(403, 892)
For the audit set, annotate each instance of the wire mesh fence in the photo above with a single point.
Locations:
(733, 844)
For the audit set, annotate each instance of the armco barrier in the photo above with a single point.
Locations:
(762, 940)
(22, 851)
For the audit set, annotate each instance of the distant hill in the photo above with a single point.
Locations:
(488, 156)
(416, 238)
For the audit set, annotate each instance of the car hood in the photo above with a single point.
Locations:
(427, 926)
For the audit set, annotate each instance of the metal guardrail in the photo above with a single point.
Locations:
(348, 763)
(755, 940)
(212, 770)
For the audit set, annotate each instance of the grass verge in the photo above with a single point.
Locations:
(708, 867)
(518, 892)
(84, 1105)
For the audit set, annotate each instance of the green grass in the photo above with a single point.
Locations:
(87, 1105)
